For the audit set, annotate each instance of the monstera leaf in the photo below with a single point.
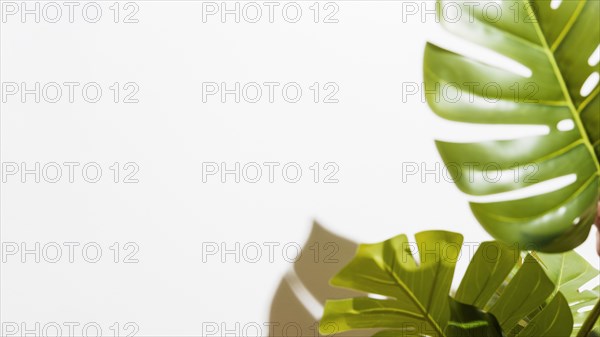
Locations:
(411, 298)
(527, 303)
(570, 272)
(556, 45)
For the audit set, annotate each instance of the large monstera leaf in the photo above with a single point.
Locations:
(500, 295)
(555, 45)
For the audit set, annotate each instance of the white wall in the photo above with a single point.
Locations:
(369, 134)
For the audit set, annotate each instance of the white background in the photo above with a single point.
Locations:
(169, 53)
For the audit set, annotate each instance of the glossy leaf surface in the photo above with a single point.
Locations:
(555, 45)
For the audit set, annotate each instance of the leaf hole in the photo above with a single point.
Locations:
(446, 40)
(595, 57)
(554, 4)
(590, 84)
(576, 221)
(585, 309)
(565, 125)
(378, 297)
(312, 305)
(590, 285)
(539, 188)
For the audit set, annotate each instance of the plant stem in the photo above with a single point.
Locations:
(588, 325)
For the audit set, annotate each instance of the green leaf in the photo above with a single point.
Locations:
(569, 272)
(416, 294)
(413, 297)
(555, 45)
(517, 292)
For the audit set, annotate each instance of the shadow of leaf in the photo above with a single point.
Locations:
(298, 302)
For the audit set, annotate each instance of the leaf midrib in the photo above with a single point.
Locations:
(574, 113)
(415, 300)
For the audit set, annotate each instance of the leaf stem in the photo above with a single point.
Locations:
(588, 325)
